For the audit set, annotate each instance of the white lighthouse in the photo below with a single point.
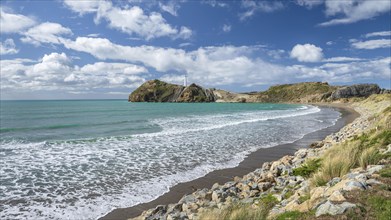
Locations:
(185, 81)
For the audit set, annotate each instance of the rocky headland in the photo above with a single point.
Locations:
(347, 175)
(306, 92)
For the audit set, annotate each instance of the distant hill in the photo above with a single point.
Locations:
(159, 91)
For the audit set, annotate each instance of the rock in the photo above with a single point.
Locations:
(371, 169)
(317, 144)
(317, 193)
(337, 196)
(189, 207)
(263, 186)
(329, 208)
(174, 208)
(352, 185)
(334, 181)
(360, 90)
(372, 182)
(187, 199)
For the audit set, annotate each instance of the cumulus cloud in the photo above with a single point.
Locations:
(8, 47)
(227, 65)
(14, 23)
(82, 7)
(307, 53)
(252, 7)
(378, 34)
(354, 10)
(56, 71)
(372, 44)
(45, 33)
(227, 28)
(133, 20)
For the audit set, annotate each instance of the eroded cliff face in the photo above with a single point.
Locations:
(159, 91)
(307, 92)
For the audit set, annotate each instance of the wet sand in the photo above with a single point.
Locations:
(249, 164)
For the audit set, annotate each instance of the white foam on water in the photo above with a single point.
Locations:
(88, 178)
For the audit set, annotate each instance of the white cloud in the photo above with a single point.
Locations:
(372, 44)
(8, 47)
(171, 7)
(215, 3)
(330, 43)
(309, 3)
(252, 7)
(45, 33)
(227, 28)
(378, 34)
(185, 44)
(276, 54)
(82, 6)
(354, 10)
(307, 53)
(56, 72)
(14, 23)
(342, 59)
(134, 21)
(227, 65)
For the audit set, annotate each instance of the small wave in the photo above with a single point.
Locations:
(171, 130)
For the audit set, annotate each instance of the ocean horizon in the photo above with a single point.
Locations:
(72, 158)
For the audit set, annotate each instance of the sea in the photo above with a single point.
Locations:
(80, 159)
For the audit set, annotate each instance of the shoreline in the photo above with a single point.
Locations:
(249, 164)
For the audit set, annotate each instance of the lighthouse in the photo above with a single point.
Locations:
(185, 81)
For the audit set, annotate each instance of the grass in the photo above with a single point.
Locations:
(308, 168)
(235, 212)
(304, 198)
(381, 207)
(369, 156)
(386, 172)
(295, 215)
(362, 151)
(239, 211)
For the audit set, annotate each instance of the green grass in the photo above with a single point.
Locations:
(308, 168)
(268, 201)
(381, 207)
(386, 172)
(235, 212)
(304, 198)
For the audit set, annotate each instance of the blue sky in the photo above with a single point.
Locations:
(105, 49)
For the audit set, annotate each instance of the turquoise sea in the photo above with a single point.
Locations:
(80, 159)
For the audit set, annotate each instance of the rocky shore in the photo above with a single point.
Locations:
(283, 185)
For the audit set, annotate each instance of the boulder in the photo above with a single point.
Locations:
(329, 208)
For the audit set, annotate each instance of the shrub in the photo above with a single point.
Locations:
(308, 168)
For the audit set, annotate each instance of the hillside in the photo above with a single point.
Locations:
(159, 91)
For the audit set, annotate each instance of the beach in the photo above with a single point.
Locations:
(249, 164)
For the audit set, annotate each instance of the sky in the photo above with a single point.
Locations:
(81, 49)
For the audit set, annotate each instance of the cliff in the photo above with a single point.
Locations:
(159, 91)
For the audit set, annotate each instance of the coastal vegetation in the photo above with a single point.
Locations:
(306, 92)
(345, 176)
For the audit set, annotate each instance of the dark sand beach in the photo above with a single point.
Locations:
(249, 164)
